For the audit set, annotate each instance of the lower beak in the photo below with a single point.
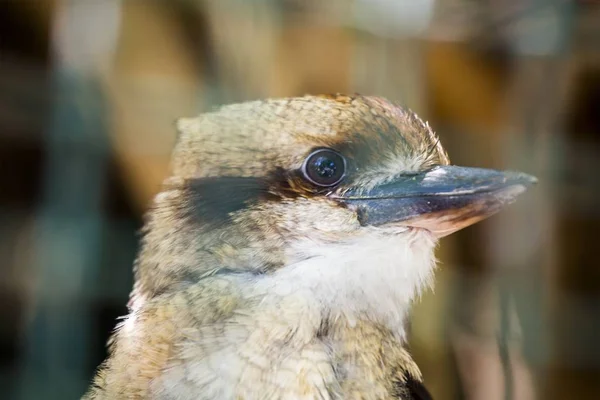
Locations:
(442, 200)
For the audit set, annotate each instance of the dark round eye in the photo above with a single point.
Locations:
(324, 167)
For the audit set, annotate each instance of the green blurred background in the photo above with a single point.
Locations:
(90, 90)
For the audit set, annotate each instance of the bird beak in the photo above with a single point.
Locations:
(442, 200)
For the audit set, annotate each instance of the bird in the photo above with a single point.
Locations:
(282, 256)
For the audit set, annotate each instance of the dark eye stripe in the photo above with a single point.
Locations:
(212, 200)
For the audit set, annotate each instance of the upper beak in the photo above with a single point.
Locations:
(442, 200)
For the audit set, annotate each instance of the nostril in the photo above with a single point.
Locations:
(361, 215)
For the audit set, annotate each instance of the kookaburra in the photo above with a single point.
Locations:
(282, 256)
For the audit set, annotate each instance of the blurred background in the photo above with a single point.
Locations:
(90, 90)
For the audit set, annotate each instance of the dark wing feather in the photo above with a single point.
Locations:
(417, 389)
(411, 389)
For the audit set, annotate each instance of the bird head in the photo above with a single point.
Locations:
(345, 196)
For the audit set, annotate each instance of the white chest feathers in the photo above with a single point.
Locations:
(374, 276)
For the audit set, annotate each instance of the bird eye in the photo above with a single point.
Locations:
(324, 167)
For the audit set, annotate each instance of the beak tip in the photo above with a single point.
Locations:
(533, 180)
(521, 178)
